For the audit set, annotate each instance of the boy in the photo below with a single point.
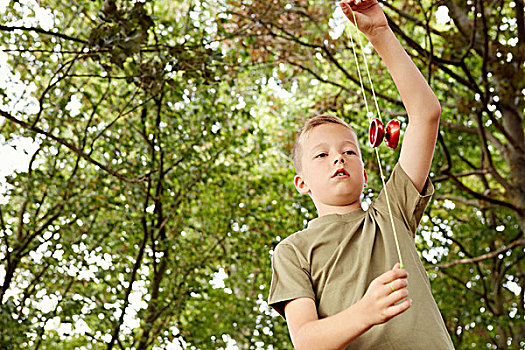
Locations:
(329, 280)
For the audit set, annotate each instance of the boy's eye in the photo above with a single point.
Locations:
(349, 152)
(321, 155)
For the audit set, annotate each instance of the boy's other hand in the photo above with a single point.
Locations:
(386, 296)
(368, 13)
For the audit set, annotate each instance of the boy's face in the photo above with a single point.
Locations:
(332, 169)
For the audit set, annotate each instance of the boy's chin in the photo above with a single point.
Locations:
(348, 198)
(348, 204)
(345, 202)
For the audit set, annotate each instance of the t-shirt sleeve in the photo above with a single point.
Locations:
(405, 200)
(290, 278)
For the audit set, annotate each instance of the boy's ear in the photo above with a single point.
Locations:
(366, 178)
(300, 185)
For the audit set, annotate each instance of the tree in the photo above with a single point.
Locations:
(163, 163)
(132, 201)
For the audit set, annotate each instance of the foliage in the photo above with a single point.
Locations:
(163, 134)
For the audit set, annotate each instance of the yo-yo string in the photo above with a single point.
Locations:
(370, 120)
(359, 73)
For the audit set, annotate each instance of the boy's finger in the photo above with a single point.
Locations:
(395, 310)
(397, 284)
(345, 5)
(392, 275)
(397, 297)
(348, 3)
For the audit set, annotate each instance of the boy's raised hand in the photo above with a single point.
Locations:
(368, 13)
(382, 300)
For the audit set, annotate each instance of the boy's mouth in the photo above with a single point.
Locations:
(340, 173)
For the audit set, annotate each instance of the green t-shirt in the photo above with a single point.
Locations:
(336, 257)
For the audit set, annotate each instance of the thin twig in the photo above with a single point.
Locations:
(490, 255)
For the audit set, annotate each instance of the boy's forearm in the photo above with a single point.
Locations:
(334, 332)
(417, 96)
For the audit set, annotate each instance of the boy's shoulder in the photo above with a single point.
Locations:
(301, 240)
(296, 239)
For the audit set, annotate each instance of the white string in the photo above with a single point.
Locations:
(370, 120)
(359, 72)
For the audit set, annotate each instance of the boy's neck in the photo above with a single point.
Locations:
(344, 209)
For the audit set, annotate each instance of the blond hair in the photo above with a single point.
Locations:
(308, 126)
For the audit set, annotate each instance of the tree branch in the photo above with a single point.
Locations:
(75, 149)
(412, 19)
(437, 61)
(462, 128)
(136, 266)
(465, 174)
(482, 197)
(42, 31)
(517, 243)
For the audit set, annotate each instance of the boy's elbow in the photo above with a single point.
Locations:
(305, 345)
(434, 112)
(300, 346)
(302, 338)
(438, 110)
(300, 341)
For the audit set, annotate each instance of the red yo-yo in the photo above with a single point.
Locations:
(376, 132)
(392, 131)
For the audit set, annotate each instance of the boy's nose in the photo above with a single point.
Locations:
(339, 159)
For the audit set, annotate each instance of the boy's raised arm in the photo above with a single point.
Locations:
(421, 104)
